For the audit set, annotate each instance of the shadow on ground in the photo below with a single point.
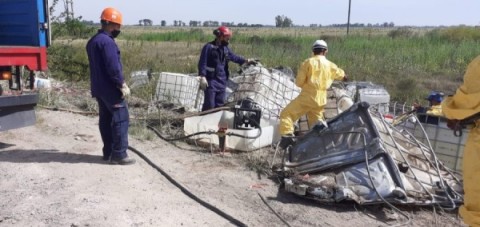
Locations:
(5, 145)
(46, 156)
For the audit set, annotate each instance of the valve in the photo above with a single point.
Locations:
(221, 133)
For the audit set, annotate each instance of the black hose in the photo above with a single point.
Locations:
(186, 192)
(248, 137)
(274, 212)
(179, 138)
(209, 133)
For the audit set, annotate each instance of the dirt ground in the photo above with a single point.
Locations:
(52, 174)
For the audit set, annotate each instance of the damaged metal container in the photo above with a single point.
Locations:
(360, 157)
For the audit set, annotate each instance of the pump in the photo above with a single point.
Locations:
(247, 114)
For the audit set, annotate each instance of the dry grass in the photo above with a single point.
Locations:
(259, 160)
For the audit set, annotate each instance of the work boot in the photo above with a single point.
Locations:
(286, 141)
(124, 161)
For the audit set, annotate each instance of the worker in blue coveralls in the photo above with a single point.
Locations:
(213, 68)
(109, 88)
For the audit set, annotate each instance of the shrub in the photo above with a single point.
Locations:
(71, 29)
(455, 34)
(400, 33)
(68, 62)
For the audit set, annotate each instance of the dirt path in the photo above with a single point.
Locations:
(51, 174)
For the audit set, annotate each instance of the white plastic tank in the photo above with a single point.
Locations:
(374, 94)
(41, 83)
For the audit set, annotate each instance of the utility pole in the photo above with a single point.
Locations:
(68, 10)
(348, 22)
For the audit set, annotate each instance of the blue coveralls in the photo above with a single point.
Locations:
(213, 64)
(106, 77)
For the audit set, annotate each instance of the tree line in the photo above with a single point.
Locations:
(359, 25)
(280, 21)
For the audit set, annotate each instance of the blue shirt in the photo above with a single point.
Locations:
(106, 76)
(213, 64)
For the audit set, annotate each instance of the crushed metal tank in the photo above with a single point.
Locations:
(358, 156)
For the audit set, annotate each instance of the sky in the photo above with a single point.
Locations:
(301, 12)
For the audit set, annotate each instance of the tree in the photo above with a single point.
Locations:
(194, 23)
(63, 26)
(210, 23)
(178, 23)
(145, 22)
(283, 21)
(278, 21)
(163, 23)
(287, 22)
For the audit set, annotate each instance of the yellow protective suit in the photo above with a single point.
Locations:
(435, 110)
(465, 103)
(314, 77)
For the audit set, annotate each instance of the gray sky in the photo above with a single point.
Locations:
(301, 12)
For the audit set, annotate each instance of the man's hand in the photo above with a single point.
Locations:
(125, 90)
(203, 83)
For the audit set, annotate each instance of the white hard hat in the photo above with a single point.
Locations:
(319, 44)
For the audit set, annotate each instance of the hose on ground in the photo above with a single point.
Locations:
(274, 212)
(179, 138)
(186, 191)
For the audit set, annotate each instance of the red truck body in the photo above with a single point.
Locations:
(24, 38)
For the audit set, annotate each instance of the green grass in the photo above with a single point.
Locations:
(408, 62)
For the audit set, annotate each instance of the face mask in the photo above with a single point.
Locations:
(115, 33)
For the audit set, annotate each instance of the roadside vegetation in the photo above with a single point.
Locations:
(409, 62)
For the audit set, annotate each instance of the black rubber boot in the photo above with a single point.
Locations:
(287, 140)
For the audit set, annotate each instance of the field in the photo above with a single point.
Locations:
(409, 62)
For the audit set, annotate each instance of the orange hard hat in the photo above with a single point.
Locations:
(111, 15)
(222, 30)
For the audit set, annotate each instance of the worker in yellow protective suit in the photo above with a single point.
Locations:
(431, 113)
(314, 77)
(465, 103)
(435, 99)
